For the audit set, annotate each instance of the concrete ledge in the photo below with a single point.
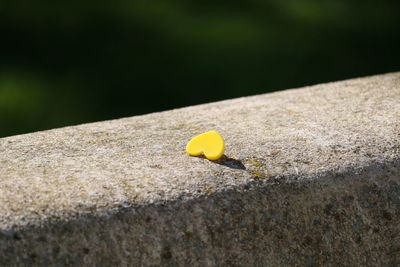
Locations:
(311, 177)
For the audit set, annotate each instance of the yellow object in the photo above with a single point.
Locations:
(210, 144)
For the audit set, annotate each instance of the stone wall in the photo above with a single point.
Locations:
(310, 177)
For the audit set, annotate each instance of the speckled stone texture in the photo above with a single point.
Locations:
(310, 177)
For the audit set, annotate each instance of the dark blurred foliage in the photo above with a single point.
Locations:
(68, 62)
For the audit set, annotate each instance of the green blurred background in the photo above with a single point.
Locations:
(68, 62)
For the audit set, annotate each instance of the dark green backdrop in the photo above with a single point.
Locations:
(68, 62)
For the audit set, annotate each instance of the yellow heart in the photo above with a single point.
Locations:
(210, 144)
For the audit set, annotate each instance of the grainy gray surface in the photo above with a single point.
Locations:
(311, 177)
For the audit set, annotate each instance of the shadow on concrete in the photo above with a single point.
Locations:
(227, 162)
(231, 163)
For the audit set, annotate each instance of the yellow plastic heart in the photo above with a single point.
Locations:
(210, 144)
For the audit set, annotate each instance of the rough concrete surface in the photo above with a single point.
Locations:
(310, 177)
